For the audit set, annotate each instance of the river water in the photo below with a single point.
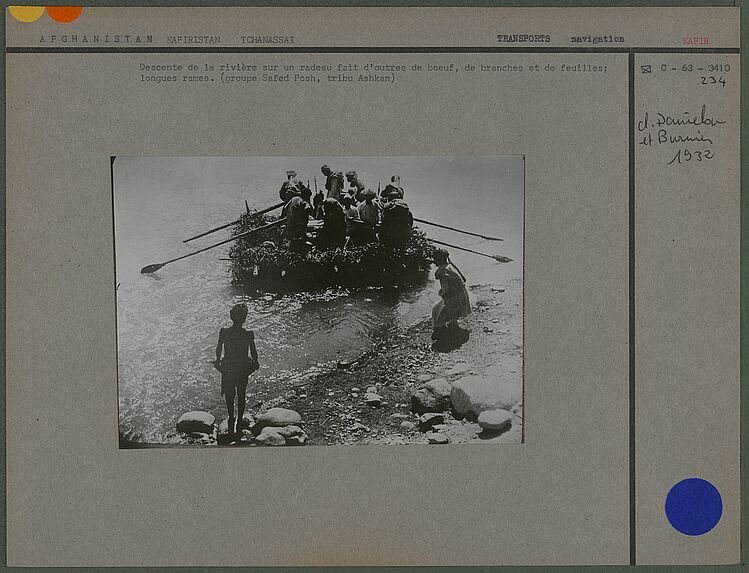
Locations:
(168, 322)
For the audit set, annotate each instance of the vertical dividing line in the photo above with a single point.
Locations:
(116, 304)
(632, 451)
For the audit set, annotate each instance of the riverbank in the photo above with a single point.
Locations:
(338, 406)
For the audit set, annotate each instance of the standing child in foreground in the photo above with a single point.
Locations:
(454, 304)
(238, 362)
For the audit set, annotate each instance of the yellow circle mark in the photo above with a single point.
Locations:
(26, 13)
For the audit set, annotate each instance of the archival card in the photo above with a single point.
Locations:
(372, 286)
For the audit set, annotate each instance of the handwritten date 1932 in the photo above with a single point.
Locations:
(685, 156)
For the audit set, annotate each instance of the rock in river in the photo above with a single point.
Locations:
(495, 419)
(474, 394)
(196, 422)
(278, 417)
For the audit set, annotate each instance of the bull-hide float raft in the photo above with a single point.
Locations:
(261, 261)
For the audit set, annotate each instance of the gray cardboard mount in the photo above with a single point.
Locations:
(570, 492)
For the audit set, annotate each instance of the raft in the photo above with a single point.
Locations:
(260, 263)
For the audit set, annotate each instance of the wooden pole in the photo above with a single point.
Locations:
(266, 210)
(148, 269)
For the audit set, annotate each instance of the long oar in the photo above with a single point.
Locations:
(148, 269)
(498, 258)
(457, 269)
(266, 210)
(487, 237)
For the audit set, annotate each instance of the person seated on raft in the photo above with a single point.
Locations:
(333, 182)
(359, 233)
(350, 212)
(369, 211)
(333, 231)
(291, 185)
(297, 212)
(317, 204)
(369, 214)
(394, 185)
(397, 221)
(356, 185)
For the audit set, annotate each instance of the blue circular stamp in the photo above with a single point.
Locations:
(694, 506)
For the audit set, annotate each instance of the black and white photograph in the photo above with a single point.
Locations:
(319, 301)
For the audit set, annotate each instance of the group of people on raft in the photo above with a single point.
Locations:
(354, 215)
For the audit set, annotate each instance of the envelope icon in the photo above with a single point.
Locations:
(647, 69)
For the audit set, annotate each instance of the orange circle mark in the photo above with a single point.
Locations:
(64, 14)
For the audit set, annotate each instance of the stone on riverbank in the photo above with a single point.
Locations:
(297, 440)
(433, 396)
(495, 419)
(439, 387)
(437, 438)
(196, 421)
(429, 420)
(270, 439)
(474, 394)
(407, 426)
(292, 435)
(372, 399)
(290, 431)
(271, 430)
(277, 417)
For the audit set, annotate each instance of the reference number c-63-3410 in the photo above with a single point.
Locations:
(710, 75)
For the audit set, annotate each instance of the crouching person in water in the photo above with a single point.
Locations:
(238, 362)
(454, 305)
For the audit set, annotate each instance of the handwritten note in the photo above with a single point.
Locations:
(688, 136)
